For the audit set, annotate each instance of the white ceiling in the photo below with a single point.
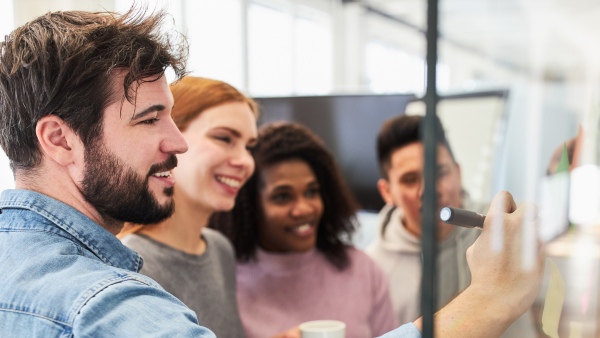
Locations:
(557, 36)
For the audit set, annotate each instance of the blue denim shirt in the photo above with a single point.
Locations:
(405, 331)
(62, 275)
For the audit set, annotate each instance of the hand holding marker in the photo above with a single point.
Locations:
(462, 217)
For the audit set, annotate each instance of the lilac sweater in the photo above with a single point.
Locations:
(279, 291)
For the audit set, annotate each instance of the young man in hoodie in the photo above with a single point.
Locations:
(397, 248)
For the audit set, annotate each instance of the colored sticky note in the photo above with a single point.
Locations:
(563, 165)
(576, 330)
(553, 303)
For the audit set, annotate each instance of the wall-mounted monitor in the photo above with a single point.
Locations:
(348, 125)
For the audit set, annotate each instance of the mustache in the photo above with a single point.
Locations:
(167, 165)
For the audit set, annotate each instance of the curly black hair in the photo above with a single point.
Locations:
(279, 142)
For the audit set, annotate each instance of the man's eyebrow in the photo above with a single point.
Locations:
(149, 110)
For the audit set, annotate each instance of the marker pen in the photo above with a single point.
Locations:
(462, 217)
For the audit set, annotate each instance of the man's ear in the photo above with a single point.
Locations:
(57, 140)
(384, 190)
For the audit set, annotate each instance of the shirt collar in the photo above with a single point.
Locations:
(91, 235)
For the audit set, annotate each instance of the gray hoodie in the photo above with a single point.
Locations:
(398, 253)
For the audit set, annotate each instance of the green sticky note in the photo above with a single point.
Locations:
(553, 303)
(563, 165)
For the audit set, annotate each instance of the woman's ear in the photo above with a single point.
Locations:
(57, 140)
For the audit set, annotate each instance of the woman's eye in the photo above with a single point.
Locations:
(313, 192)
(280, 198)
(225, 139)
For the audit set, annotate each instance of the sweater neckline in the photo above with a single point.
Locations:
(285, 262)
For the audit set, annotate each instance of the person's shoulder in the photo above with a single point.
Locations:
(217, 240)
(59, 285)
(135, 241)
(362, 260)
(133, 305)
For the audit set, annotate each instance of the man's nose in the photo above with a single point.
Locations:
(173, 143)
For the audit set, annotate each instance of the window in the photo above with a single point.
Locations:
(270, 51)
(289, 49)
(391, 70)
(215, 34)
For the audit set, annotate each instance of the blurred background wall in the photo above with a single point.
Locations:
(542, 54)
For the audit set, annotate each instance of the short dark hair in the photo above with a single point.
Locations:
(62, 63)
(401, 131)
(279, 142)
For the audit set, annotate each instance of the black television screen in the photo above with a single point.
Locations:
(348, 125)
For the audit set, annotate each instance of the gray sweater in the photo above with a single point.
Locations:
(205, 283)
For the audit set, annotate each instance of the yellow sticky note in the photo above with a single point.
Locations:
(555, 297)
(576, 330)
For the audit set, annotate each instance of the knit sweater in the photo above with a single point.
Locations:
(205, 283)
(279, 291)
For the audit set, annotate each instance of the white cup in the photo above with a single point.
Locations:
(323, 329)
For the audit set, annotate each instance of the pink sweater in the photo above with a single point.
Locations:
(279, 291)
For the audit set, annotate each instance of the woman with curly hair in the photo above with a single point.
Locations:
(291, 228)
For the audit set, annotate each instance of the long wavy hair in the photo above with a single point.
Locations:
(281, 142)
(193, 95)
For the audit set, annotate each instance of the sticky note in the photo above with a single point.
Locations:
(553, 303)
(576, 330)
(563, 165)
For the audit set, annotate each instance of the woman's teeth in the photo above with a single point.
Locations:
(229, 181)
(302, 229)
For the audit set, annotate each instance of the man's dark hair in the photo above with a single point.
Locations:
(63, 63)
(401, 131)
(280, 142)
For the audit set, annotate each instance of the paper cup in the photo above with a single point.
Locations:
(323, 329)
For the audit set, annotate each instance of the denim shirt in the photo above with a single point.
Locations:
(405, 331)
(62, 275)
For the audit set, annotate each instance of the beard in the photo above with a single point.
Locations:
(118, 193)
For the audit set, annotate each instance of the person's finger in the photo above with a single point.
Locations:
(528, 212)
(503, 202)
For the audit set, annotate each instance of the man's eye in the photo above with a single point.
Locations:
(443, 172)
(151, 121)
(410, 180)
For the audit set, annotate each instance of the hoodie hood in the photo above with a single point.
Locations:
(392, 234)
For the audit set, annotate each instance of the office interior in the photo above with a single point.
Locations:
(516, 78)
